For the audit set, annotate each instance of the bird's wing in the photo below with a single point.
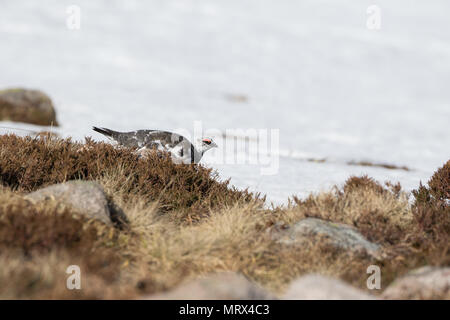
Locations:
(164, 139)
(130, 139)
(143, 138)
(178, 146)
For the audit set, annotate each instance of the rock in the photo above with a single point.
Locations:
(31, 106)
(422, 283)
(86, 197)
(340, 235)
(317, 287)
(220, 286)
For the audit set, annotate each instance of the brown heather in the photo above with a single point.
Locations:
(431, 211)
(184, 223)
(27, 164)
(382, 214)
(29, 235)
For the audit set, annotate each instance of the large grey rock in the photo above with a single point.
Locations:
(86, 197)
(31, 106)
(317, 287)
(422, 283)
(338, 234)
(220, 286)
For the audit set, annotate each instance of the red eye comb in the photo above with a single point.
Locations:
(207, 140)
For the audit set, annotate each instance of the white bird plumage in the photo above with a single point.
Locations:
(180, 148)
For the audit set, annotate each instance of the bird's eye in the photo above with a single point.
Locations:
(207, 141)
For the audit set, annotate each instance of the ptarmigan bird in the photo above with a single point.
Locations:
(180, 148)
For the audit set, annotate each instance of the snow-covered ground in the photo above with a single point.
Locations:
(311, 69)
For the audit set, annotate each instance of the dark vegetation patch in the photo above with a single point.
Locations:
(29, 232)
(379, 165)
(377, 211)
(27, 164)
(160, 249)
(25, 228)
(411, 236)
(431, 211)
(364, 164)
(323, 160)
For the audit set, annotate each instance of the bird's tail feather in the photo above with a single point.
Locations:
(105, 131)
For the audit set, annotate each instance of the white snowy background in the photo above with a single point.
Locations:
(312, 69)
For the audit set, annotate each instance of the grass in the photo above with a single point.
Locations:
(184, 222)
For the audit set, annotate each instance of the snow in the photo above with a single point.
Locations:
(312, 69)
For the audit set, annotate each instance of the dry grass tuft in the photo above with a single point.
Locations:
(382, 214)
(184, 223)
(31, 234)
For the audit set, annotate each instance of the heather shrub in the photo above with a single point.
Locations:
(431, 211)
(438, 190)
(183, 222)
(412, 236)
(380, 213)
(28, 233)
(27, 164)
(440, 184)
(362, 183)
